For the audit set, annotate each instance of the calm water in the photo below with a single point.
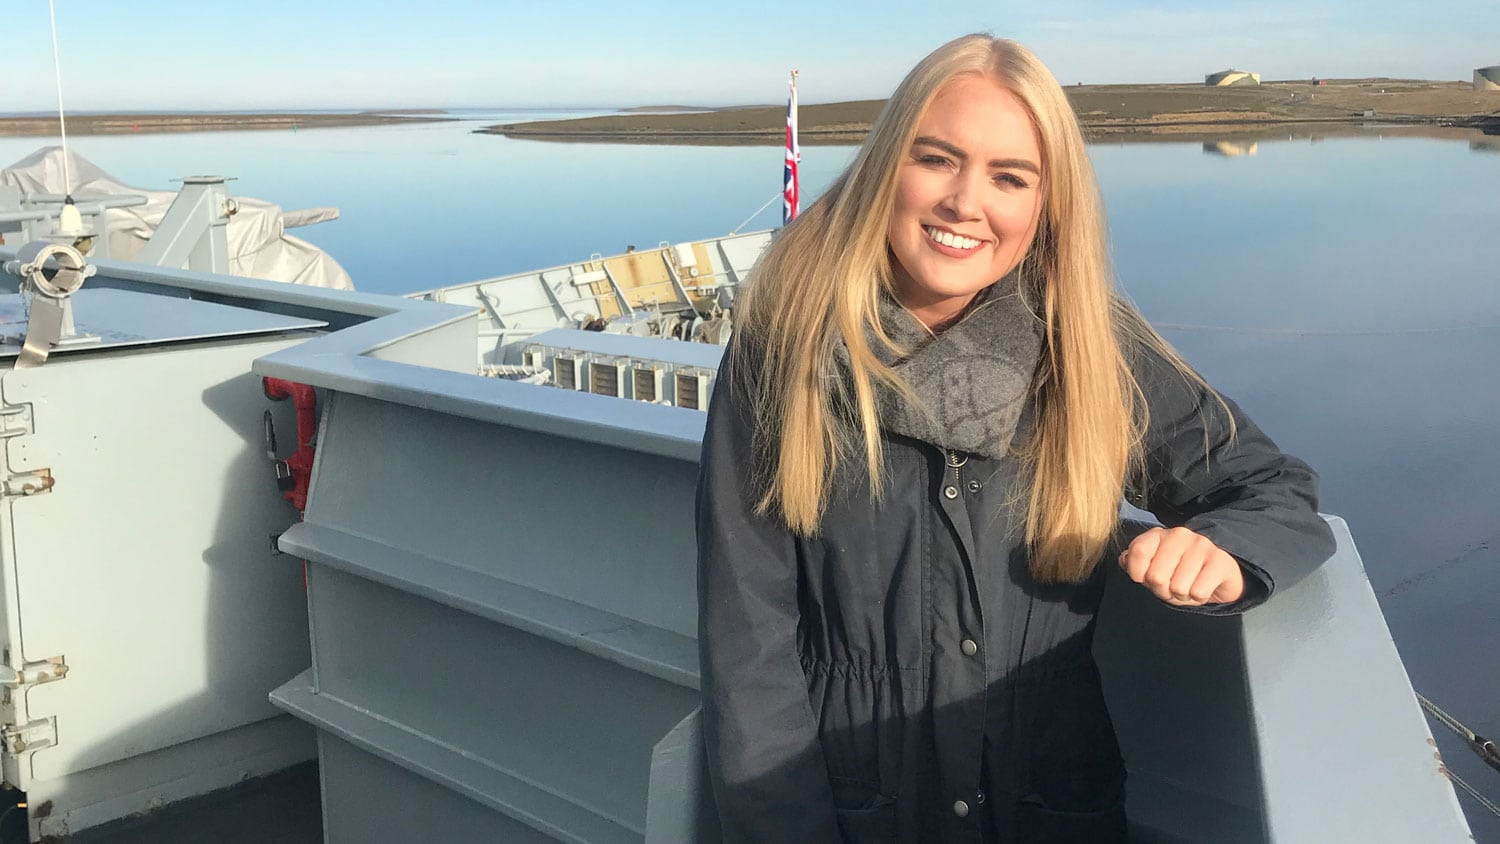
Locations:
(1345, 292)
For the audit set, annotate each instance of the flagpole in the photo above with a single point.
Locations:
(790, 185)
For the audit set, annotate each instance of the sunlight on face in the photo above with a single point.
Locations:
(968, 198)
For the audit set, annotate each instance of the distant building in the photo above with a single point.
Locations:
(1232, 77)
(1487, 78)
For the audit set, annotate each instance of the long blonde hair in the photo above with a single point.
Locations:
(820, 284)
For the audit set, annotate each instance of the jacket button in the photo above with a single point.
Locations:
(961, 809)
(974, 486)
(968, 647)
(950, 492)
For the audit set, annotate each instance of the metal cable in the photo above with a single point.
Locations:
(1469, 789)
(1479, 744)
(737, 228)
(62, 124)
(1482, 747)
(1447, 720)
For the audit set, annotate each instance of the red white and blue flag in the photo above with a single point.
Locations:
(790, 193)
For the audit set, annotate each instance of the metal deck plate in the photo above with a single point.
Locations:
(122, 318)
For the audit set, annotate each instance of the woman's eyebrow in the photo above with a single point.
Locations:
(998, 163)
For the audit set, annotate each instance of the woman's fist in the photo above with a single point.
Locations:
(1183, 568)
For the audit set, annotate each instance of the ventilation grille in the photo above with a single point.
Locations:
(646, 383)
(606, 378)
(693, 387)
(566, 371)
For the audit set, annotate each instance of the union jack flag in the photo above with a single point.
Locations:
(790, 193)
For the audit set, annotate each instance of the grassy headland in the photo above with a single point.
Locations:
(125, 124)
(1104, 111)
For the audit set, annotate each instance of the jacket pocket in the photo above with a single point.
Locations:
(860, 722)
(1076, 768)
(864, 814)
(1037, 824)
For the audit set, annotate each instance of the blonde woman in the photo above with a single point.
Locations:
(913, 468)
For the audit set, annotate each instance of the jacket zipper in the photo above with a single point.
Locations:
(956, 461)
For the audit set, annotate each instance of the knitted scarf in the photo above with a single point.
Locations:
(973, 379)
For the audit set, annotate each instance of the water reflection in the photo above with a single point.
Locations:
(1249, 135)
(1230, 149)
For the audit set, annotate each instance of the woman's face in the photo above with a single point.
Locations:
(968, 197)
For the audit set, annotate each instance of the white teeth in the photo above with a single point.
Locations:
(950, 239)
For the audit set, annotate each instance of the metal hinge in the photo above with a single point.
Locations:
(15, 420)
(35, 735)
(28, 483)
(33, 673)
(42, 732)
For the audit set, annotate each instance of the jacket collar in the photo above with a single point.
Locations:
(973, 380)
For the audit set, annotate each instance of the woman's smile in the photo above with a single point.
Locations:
(948, 243)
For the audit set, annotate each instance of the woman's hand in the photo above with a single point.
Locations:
(1183, 568)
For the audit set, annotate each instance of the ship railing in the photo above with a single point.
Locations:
(86, 208)
(25, 218)
(715, 283)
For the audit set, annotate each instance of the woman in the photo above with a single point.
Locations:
(914, 464)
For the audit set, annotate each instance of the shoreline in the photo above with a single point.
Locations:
(1206, 133)
(1104, 111)
(155, 124)
(1120, 113)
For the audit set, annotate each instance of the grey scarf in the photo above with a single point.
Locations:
(973, 379)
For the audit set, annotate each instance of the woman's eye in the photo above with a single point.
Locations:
(1010, 180)
(934, 160)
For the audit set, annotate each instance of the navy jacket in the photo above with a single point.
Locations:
(901, 676)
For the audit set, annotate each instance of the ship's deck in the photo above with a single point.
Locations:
(279, 809)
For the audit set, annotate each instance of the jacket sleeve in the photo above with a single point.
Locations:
(769, 776)
(1241, 491)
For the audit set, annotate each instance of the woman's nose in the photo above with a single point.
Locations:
(962, 197)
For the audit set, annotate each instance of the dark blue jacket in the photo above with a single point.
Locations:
(901, 676)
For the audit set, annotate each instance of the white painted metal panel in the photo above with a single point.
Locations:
(149, 565)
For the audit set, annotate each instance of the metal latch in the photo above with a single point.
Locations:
(29, 483)
(36, 735)
(284, 479)
(15, 420)
(34, 673)
(42, 732)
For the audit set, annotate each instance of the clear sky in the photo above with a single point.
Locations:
(228, 54)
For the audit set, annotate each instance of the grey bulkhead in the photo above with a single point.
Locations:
(502, 602)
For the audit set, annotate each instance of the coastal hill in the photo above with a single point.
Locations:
(1128, 112)
(1102, 109)
(151, 123)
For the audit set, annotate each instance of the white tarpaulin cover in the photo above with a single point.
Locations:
(259, 246)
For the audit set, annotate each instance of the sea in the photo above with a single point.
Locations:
(1344, 290)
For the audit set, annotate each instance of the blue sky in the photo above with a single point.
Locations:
(226, 54)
